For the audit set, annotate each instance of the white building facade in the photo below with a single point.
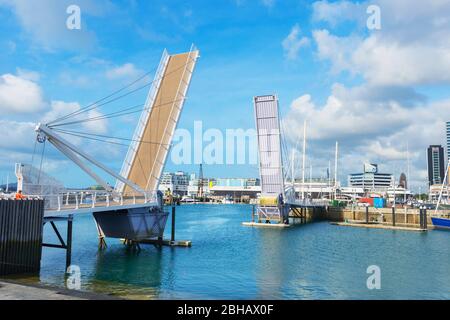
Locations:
(177, 183)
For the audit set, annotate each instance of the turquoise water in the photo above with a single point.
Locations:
(229, 261)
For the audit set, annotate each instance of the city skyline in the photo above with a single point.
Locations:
(328, 69)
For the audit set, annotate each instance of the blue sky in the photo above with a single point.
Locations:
(365, 88)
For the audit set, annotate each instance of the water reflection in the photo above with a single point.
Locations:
(229, 261)
(128, 272)
(271, 272)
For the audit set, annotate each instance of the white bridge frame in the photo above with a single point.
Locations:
(139, 199)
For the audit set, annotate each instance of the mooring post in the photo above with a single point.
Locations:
(425, 222)
(253, 213)
(393, 216)
(173, 223)
(421, 218)
(367, 214)
(69, 242)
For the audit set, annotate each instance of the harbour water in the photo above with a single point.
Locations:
(229, 261)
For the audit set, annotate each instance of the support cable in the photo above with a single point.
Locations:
(102, 99)
(42, 160)
(32, 157)
(96, 104)
(114, 114)
(88, 135)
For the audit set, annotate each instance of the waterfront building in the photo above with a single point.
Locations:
(177, 182)
(436, 171)
(192, 189)
(237, 182)
(314, 188)
(436, 190)
(236, 188)
(370, 179)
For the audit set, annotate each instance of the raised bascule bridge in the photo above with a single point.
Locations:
(278, 206)
(133, 209)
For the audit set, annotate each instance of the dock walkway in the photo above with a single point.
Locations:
(10, 290)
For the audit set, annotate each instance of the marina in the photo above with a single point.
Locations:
(139, 166)
(229, 261)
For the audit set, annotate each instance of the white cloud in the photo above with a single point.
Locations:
(373, 127)
(375, 120)
(17, 135)
(98, 126)
(44, 22)
(413, 46)
(388, 152)
(336, 12)
(61, 108)
(293, 43)
(20, 95)
(127, 70)
(385, 62)
(338, 50)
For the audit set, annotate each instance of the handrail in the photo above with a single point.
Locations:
(84, 199)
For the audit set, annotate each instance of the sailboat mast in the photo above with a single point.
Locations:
(303, 160)
(408, 166)
(335, 169)
(292, 167)
(442, 190)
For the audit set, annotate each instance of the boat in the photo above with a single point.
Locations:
(187, 199)
(441, 223)
(227, 200)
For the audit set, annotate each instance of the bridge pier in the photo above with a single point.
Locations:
(66, 245)
(160, 241)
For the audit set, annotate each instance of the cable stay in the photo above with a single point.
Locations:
(87, 135)
(115, 114)
(102, 99)
(136, 109)
(76, 155)
(101, 102)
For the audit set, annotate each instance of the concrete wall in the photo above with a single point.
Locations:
(403, 217)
